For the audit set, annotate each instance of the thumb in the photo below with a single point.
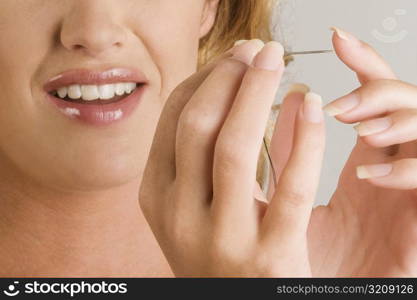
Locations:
(360, 57)
(282, 138)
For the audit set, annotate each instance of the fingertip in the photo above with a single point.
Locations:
(295, 95)
(372, 171)
(345, 36)
(312, 108)
(297, 88)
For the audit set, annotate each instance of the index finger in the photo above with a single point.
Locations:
(360, 57)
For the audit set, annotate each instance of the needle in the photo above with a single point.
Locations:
(307, 52)
(289, 54)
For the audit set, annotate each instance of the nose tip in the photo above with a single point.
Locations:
(92, 34)
(96, 42)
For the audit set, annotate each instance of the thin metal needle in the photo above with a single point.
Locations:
(287, 54)
(274, 175)
(308, 52)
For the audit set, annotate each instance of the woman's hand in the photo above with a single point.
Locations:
(369, 227)
(387, 111)
(197, 189)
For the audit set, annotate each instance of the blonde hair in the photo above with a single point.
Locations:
(237, 20)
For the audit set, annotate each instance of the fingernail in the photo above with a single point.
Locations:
(312, 108)
(248, 50)
(344, 35)
(258, 193)
(240, 42)
(270, 58)
(298, 88)
(370, 171)
(342, 105)
(373, 126)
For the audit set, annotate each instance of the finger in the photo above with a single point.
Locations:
(360, 57)
(400, 174)
(161, 160)
(201, 120)
(258, 194)
(290, 208)
(396, 128)
(282, 138)
(368, 65)
(240, 139)
(373, 99)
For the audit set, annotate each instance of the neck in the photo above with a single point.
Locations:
(60, 234)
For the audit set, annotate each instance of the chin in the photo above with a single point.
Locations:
(89, 173)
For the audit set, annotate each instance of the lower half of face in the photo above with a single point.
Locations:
(46, 138)
(66, 153)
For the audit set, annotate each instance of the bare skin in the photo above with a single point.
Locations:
(369, 226)
(57, 219)
(209, 229)
(66, 208)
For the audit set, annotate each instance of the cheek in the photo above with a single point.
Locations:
(173, 42)
(25, 41)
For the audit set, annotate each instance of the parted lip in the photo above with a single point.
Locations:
(94, 77)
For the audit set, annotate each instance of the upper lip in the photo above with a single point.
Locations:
(94, 77)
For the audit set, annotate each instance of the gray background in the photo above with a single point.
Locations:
(304, 25)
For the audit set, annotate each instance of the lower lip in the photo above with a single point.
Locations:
(100, 114)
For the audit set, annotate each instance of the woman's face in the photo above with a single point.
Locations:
(42, 39)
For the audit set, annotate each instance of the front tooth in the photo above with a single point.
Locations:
(106, 91)
(129, 87)
(90, 92)
(74, 91)
(62, 92)
(119, 89)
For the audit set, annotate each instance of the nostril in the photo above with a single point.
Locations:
(77, 47)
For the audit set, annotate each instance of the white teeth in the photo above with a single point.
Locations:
(119, 89)
(106, 91)
(129, 87)
(89, 92)
(74, 92)
(94, 92)
(62, 92)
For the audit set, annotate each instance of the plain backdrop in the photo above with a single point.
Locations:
(390, 26)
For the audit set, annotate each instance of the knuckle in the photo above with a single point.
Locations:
(375, 88)
(191, 119)
(229, 154)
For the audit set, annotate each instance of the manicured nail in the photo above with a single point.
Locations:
(240, 42)
(342, 105)
(312, 108)
(270, 58)
(344, 35)
(371, 171)
(297, 88)
(248, 50)
(373, 126)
